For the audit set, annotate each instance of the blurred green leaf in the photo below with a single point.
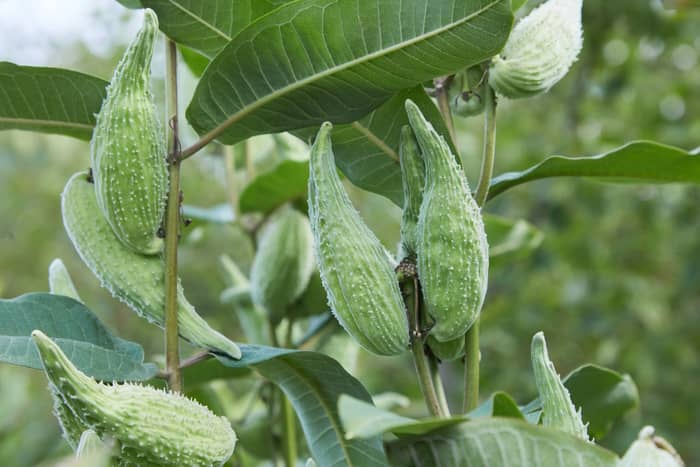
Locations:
(511, 236)
(131, 3)
(219, 214)
(498, 442)
(517, 4)
(49, 100)
(313, 383)
(602, 394)
(639, 162)
(83, 338)
(286, 182)
(195, 61)
(500, 404)
(315, 60)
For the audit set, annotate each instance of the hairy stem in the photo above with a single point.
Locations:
(230, 173)
(172, 224)
(439, 387)
(289, 418)
(442, 86)
(489, 153)
(471, 368)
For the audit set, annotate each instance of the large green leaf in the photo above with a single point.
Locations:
(367, 151)
(313, 382)
(84, 339)
(498, 442)
(315, 60)
(602, 394)
(206, 26)
(640, 161)
(49, 100)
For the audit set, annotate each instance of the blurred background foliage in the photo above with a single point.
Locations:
(615, 281)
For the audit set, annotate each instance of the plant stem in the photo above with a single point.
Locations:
(439, 387)
(289, 418)
(471, 368)
(442, 86)
(172, 224)
(417, 348)
(230, 173)
(489, 153)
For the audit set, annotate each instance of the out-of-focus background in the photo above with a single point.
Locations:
(615, 282)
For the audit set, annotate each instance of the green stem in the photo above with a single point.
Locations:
(442, 86)
(439, 387)
(230, 173)
(172, 224)
(489, 154)
(471, 368)
(289, 418)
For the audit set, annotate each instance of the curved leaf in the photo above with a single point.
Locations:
(83, 338)
(640, 161)
(315, 60)
(313, 382)
(511, 236)
(49, 100)
(500, 404)
(498, 442)
(288, 181)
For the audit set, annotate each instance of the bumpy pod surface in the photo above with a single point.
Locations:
(283, 263)
(128, 149)
(540, 50)
(60, 282)
(453, 256)
(650, 451)
(413, 180)
(447, 351)
(558, 410)
(134, 279)
(357, 272)
(151, 426)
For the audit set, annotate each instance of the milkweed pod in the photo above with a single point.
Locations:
(357, 272)
(650, 451)
(128, 149)
(413, 180)
(60, 282)
(151, 426)
(283, 263)
(135, 279)
(558, 410)
(452, 249)
(540, 50)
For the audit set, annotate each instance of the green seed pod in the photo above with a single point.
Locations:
(60, 282)
(453, 255)
(283, 262)
(151, 426)
(651, 451)
(447, 351)
(413, 178)
(128, 149)
(540, 50)
(134, 279)
(558, 410)
(357, 272)
(466, 93)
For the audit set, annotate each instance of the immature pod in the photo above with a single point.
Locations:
(60, 282)
(134, 279)
(151, 426)
(540, 50)
(447, 351)
(558, 410)
(413, 179)
(357, 272)
(651, 451)
(452, 249)
(128, 149)
(283, 263)
(466, 92)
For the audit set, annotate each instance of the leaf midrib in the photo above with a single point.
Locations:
(201, 20)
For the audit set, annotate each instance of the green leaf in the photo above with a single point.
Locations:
(288, 181)
(49, 100)
(367, 151)
(498, 442)
(313, 382)
(315, 60)
(218, 214)
(511, 236)
(206, 26)
(500, 404)
(195, 61)
(83, 338)
(517, 4)
(133, 4)
(603, 395)
(639, 162)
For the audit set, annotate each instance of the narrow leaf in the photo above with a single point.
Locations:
(49, 100)
(315, 60)
(83, 338)
(639, 162)
(313, 383)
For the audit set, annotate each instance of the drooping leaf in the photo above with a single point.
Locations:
(602, 394)
(286, 182)
(638, 162)
(500, 404)
(313, 382)
(83, 338)
(367, 151)
(510, 236)
(218, 214)
(309, 61)
(49, 100)
(498, 442)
